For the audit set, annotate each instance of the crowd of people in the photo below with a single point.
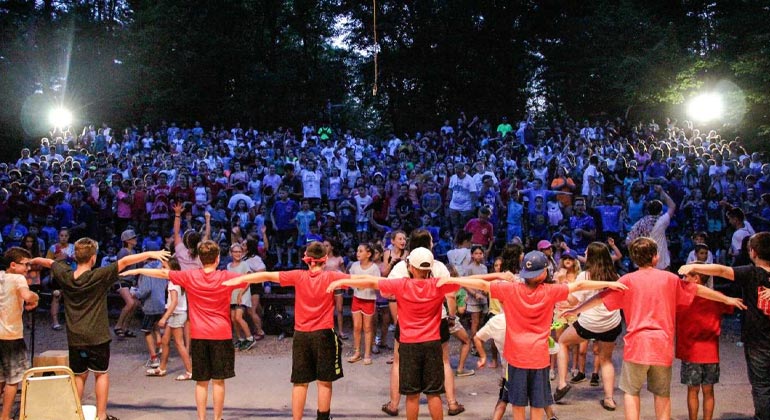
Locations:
(476, 196)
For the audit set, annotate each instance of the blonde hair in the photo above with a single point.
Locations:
(85, 248)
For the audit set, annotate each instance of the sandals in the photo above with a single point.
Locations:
(56, 327)
(367, 360)
(258, 337)
(389, 411)
(184, 377)
(606, 406)
(156, 372)
(120, 332)
(354, 358)
(459, 408)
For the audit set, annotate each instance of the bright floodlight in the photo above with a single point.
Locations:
(60, 117)
(706, 107)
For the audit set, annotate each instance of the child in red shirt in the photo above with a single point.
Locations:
(649, 305)
(316, 348)
(697, 345)
(528, 308)
(211, 346)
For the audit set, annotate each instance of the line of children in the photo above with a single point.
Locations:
(528, 308)
(85, 292)
(649, 305)
(211, 346)
(421, 367)
(316, 348)
(754, 283)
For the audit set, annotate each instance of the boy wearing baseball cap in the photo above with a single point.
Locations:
(420, 299)
(528, 308)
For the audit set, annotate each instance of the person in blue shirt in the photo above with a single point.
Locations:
(283, 218)
(611, 216)
(515, 216)
(582, 226)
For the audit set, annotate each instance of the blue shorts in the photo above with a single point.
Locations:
(529, 387)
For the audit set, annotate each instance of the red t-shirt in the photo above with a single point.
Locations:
(313, 306)
(649, 306)
(528, 316)
(481, 230)
(208, 302)
(697, 330)
(419, 307)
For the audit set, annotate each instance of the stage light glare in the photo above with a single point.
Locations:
(60, 117)
(706, 107)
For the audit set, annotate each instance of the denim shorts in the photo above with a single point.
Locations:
(529, 387)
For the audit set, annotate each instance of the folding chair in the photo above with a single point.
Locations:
(52, 397)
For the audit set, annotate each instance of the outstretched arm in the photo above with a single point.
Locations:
(709, 269)
(43, 262)
(137, 258)
(709, 294)
(259, 277)
(595, 301)
(360, 281)
(160, 273)
(467, 282)
(595, 285)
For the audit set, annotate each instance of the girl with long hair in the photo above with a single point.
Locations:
(597, 323)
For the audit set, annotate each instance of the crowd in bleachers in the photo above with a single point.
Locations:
(322, 183)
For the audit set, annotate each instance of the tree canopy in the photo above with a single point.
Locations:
(273, 63)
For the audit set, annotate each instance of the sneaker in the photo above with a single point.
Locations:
(578, 378)
(153, 362)
(248, 344)
(464, 373)
(474, 352)
(594, 379)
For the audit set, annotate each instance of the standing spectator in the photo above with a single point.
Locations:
(582, 226)
(283, 218)
(654, 225)
(463, 196)
(481, 230)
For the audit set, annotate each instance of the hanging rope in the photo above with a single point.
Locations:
(376, 48)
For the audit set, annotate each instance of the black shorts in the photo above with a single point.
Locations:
(443, 329)
(149, 321)
(421, 368)
(120, 285)
(605, 337)
(503, 395)
(285, 236)
(94, 358)
(256, 289)
(212, 359)
(316, 356)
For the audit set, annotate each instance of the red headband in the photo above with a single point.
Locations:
(309, 260)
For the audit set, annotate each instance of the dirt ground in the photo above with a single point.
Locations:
(261, 388)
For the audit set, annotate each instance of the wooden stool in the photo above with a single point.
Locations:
(52, 358)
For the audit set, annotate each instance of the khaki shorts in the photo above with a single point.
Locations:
(634, 375)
